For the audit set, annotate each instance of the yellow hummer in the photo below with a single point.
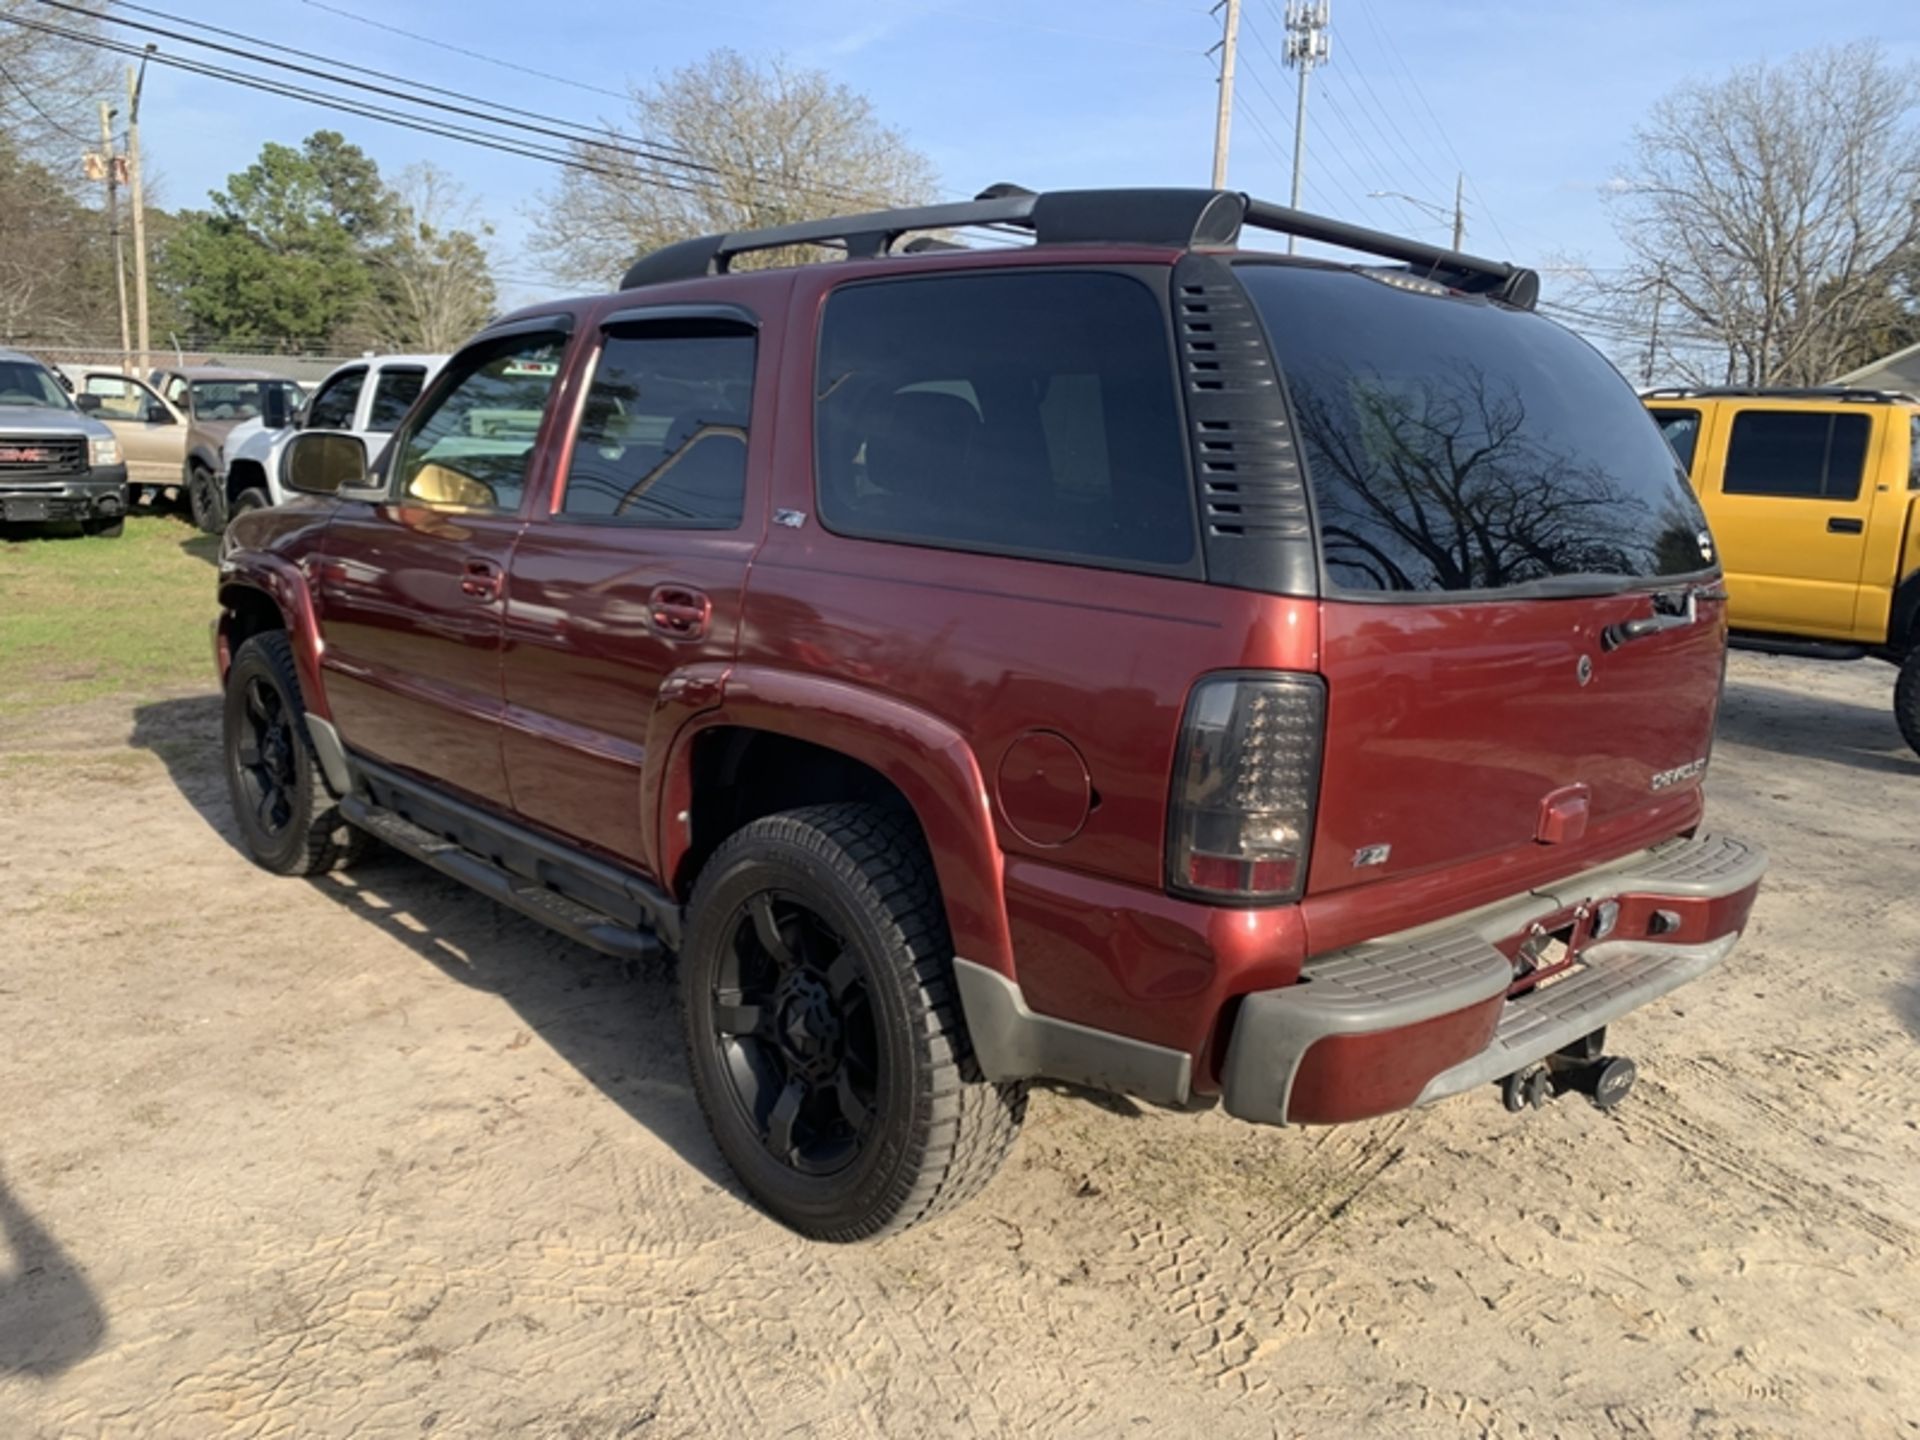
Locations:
(1814, 500)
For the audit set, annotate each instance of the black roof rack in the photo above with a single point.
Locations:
(1151, 217)
(1855, 393)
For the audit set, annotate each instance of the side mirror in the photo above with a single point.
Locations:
(276, 408)
(323, 462)
(86, 404)
(158, 414)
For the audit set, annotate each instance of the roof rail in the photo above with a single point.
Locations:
(1853, 393)
(1182, 218)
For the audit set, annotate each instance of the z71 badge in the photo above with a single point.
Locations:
(1680, 774)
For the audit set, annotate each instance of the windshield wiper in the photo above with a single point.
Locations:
(1572, 587)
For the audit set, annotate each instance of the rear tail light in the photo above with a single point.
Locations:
(1244, 783)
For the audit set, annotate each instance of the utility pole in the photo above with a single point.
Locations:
(135, 80)
(1308, 45)
(1223, 119)
(107, 173)
(1459, 210)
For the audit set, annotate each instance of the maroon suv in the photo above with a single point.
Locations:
(1125, 658)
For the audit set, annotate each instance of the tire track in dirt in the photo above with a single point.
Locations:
(1659, 1110)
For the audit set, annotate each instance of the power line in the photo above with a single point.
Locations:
(27, 96)
(449, 46)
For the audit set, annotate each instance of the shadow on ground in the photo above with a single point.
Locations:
(50, 1319)
(1813, 727)
(618, 1026)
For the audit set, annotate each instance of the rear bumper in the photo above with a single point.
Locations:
(101, 493)
(1412, 1018)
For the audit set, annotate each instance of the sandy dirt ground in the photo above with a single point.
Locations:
(371, 1156)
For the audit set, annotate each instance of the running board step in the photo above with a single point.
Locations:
(579, 922)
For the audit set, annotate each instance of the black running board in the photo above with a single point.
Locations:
(1794, 645)
(579, 922)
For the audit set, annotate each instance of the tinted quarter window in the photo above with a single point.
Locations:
(472, 447)
(663, 436)
(1682, 431)
(393, 395)
(1454, 444)
(1032, 414)
(1784, 452)
(333, 407)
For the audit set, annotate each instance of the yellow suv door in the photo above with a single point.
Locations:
(1785, 487)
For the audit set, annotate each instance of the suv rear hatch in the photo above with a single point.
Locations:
(1522, 635)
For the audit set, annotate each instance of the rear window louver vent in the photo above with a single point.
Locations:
(1249, 476)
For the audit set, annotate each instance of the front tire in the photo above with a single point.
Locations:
(111, 529)
(252, 498)
(824, 1031)
(1906, 698)
(288, 821)
(204, 499)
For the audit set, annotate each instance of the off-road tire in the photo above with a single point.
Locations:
(937, 1131)
(204, 500)
(1906, 698)
(313, 837)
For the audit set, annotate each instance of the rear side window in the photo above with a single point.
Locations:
(393, 395)
(1682, 431)
(1455, 444)
(1794, 453)
(663, 437)
(1030, 414)
(333, 407)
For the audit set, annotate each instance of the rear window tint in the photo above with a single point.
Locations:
(1459, 445)
(393, 395)
(1032, 414)
(1812, 456)
(1682, 431)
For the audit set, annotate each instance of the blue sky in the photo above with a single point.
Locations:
(1535, 101)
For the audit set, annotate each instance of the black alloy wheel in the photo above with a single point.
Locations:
(794, 1024)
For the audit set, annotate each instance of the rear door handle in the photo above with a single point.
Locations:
(1845, 525)
(481, 581)
(680, 612)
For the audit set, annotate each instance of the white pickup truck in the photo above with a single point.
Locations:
(367, 397)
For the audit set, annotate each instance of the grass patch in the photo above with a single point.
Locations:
(83, 617)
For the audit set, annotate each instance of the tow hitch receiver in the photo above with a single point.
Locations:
(1603, 1079)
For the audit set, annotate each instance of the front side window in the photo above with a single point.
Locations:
(663, 436)
(332, 408)
(1913, 452)
(24, 383)
(1810, 456)
(1031, 414)
(393, 395)
(121, 398)
(1682, 431)
(1456, 444)
(473, 446)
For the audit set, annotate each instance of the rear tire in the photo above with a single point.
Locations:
(288, 821)
(1906, 698)
(204, 499)
(824, 1031)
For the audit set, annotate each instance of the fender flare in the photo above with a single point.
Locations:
(924, 757)
(281, 582)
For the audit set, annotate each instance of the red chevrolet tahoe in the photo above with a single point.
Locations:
(1124, 658)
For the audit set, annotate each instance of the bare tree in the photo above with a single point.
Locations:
(1769, 215)
(731, 145)
(50, 86)
(433, 284)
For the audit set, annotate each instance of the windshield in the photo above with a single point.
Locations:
(23, 382)
(237, 399)
(1453, 444)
